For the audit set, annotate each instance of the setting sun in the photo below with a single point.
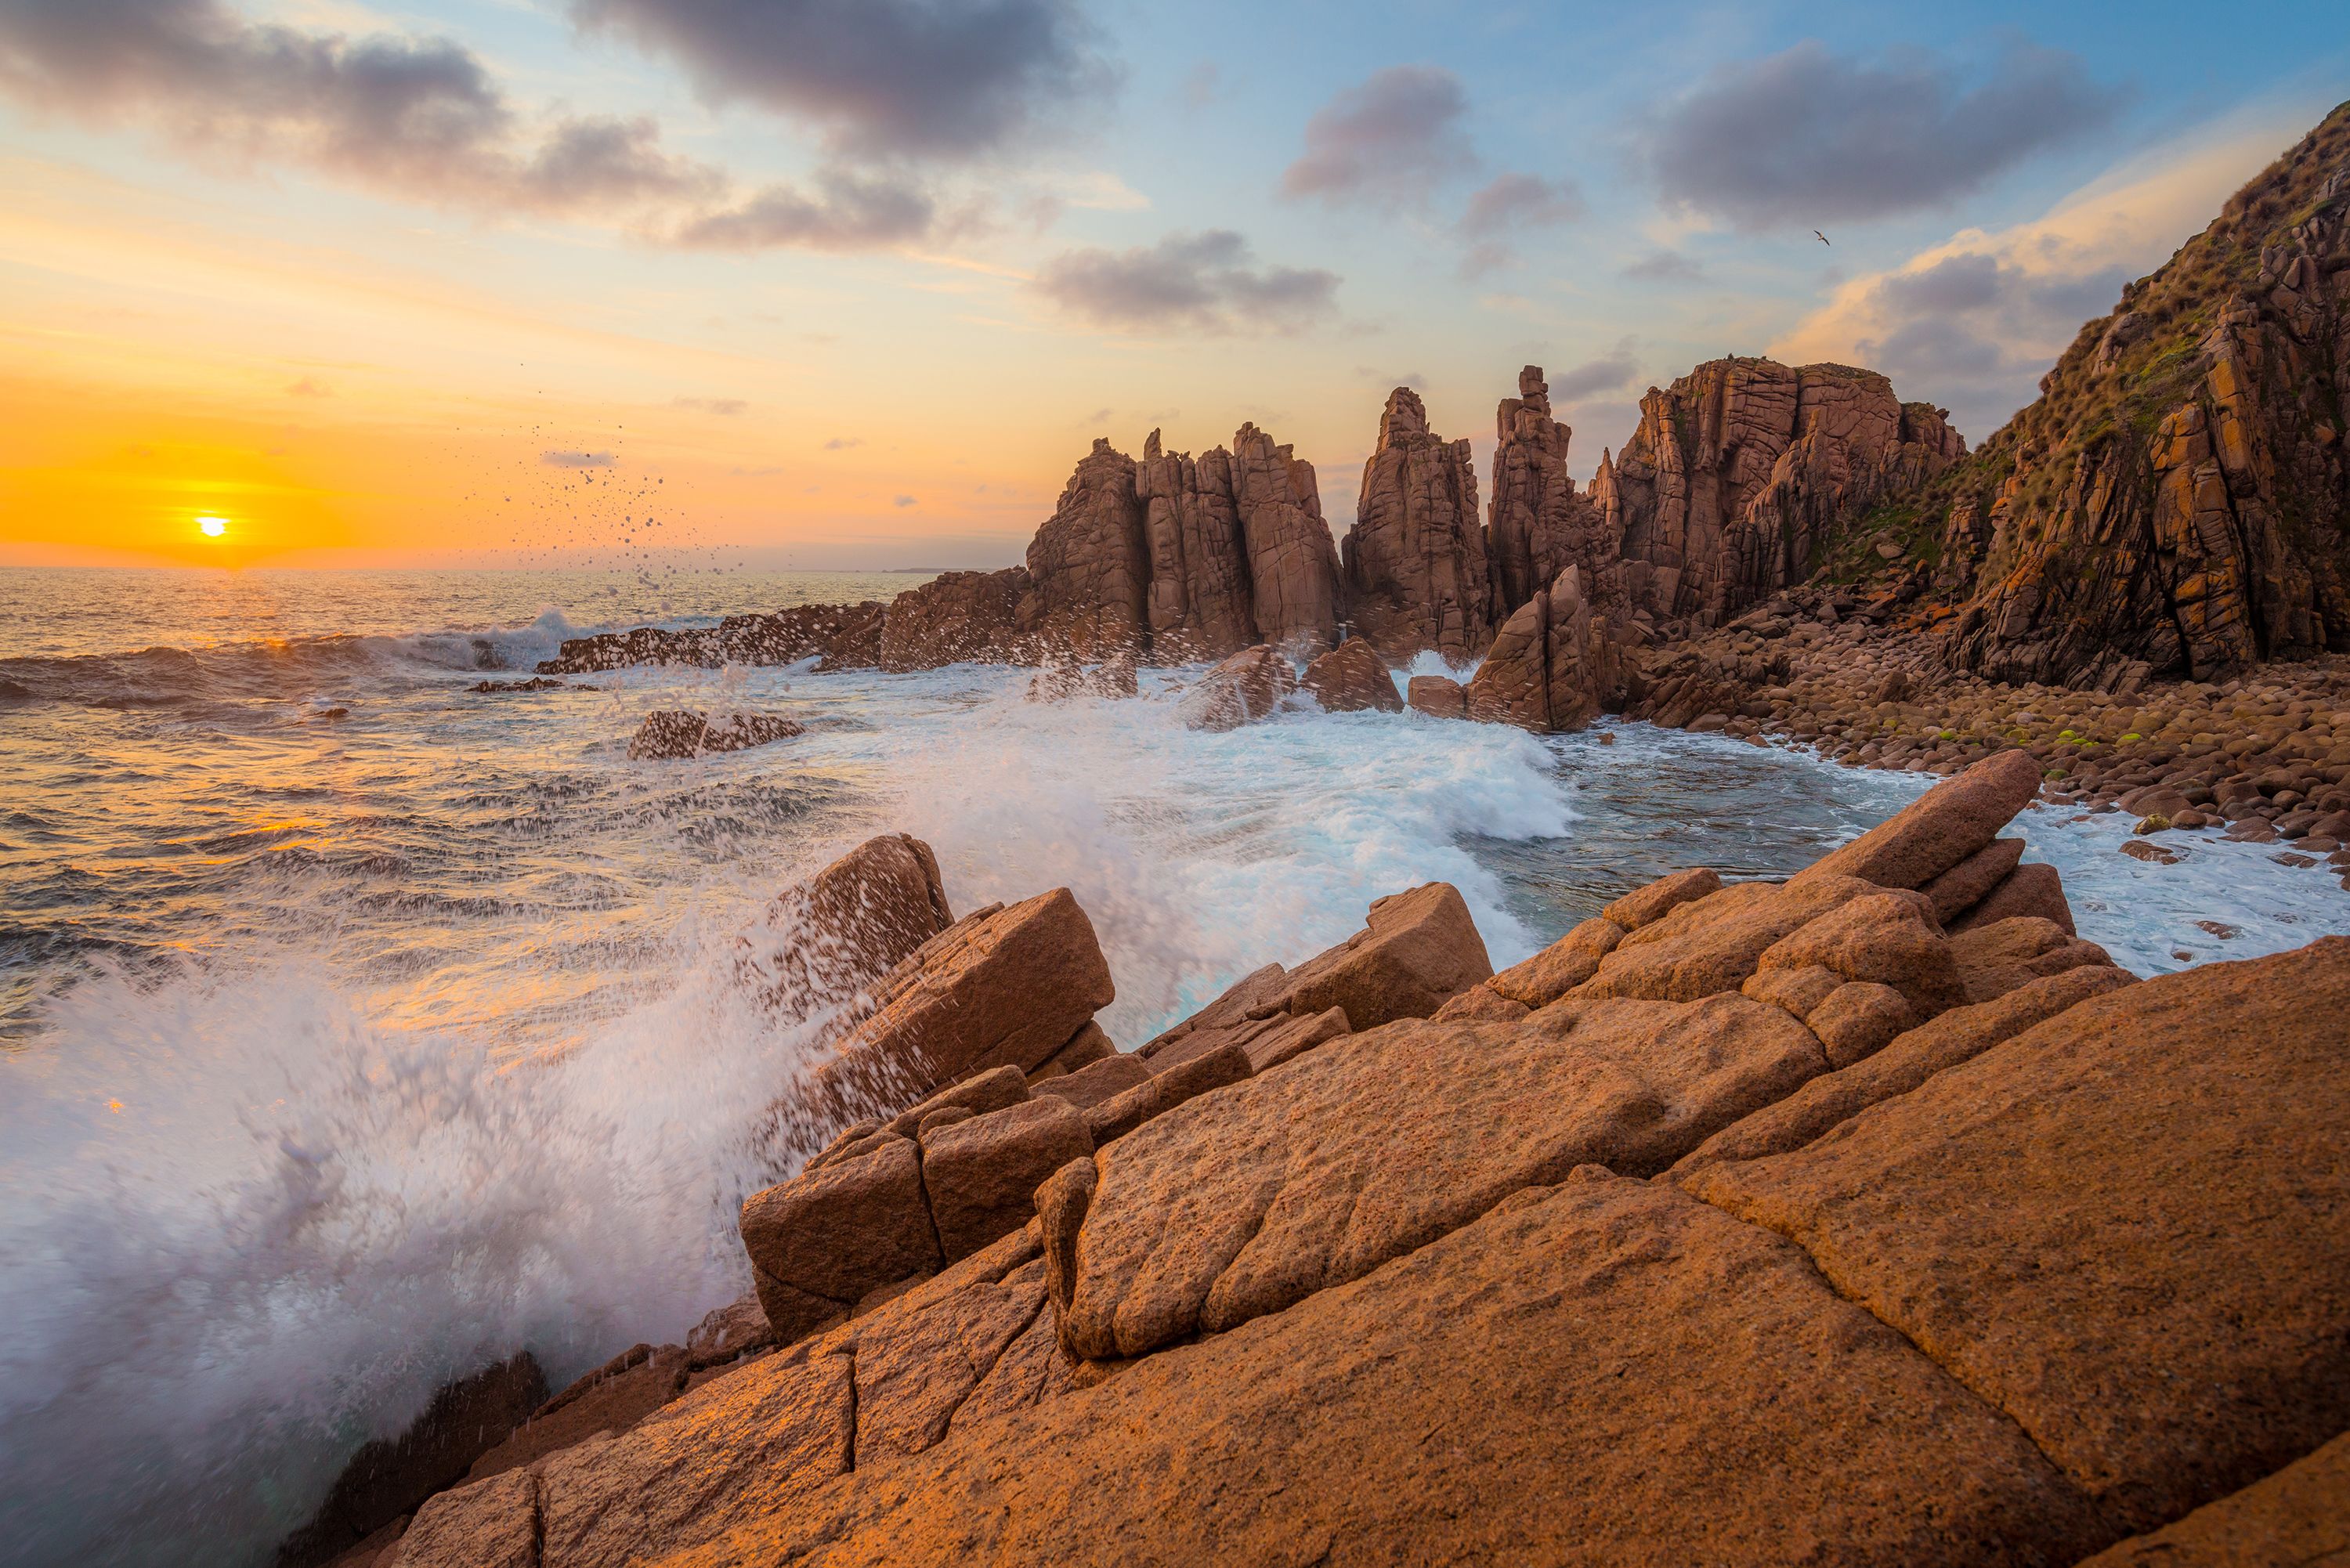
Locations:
(214, 527)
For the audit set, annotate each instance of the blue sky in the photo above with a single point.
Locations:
(862, 280)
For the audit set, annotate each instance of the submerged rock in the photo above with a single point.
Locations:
(676, 733)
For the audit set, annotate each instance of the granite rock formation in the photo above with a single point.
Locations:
(1559, 660)
(1538, 524)
(955, 617)
(844, 637)
(1296, 589)
(1202, 605)
(1745, 473)
(1089, 566)
(1748, 1222)
(1416, 573)
(2179, 496)
(675, 734)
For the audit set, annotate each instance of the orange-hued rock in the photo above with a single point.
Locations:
(490, 1524)
(1438, 696)
(1006, 988)
(1645, 906)
(1349, 678)
(1883, 938)
(1318, 1171)
(1858, 1019)
(1241, 690)
(1416, 951)
(1293, 562)
(1743, 472)
(1199, 605)
(1092, 1083)
(916, 1369)
(1996, 959)
(2034, 890)
(1557, 662)
(851, 923)
(2127, 1227)
(955, 617)
(1967, 883)
(2299, 1515)
(1561, 967)
(1415, 559)
(612, 1398)
(1194, 1075)
(1949, 824)
(818, 1242)
(1712, 944)
(1910, 1059)
(1537, 525)
(1604, 1372)
(981, 1175)
(1089, 564)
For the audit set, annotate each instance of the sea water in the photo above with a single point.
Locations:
(358, 1029)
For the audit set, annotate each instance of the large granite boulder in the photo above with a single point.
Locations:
(1349, 678)
(675, 734)
(1556, 663)
(845, 928)
(1240, 691)
(1415, 559)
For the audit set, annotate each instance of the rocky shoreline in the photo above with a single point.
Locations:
(1746, 1222)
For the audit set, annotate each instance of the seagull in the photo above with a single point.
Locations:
(1821, 237)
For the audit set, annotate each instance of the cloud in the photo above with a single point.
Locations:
(1387, 143)
(726, 407)
(902, 501)
(882, 78)
(309, 387)
(1202, 283)
(420, 117)
(845, 211)
(1663, 267)
(576, 459)
(1805, 137)
(1513, 202)
(842, 444)
(1606, 374)
(1974, 323)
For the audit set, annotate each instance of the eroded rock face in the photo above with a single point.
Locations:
(1556, 663)
(851, 923)
(1200, 605)
(1089, 564)
(2176, 497)
(1241, 690)
(1538, 525)
(1744, 472)
(844, 637)
(955, 617)
(1415, 558)
(1293, 562)
(1437, 696)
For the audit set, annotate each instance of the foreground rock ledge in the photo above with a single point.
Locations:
(1852, 1221)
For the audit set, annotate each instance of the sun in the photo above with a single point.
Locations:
(214, 527)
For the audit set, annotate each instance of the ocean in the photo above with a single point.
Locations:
(358, 1029)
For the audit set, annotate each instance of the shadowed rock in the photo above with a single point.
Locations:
(1415, 558)
(1350, 679)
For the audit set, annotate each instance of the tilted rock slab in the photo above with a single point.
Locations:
(2128, 1227)
(1247, 1200)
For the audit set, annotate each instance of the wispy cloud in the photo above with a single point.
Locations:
(1391, 140)
(1202, 283)
(576, 459)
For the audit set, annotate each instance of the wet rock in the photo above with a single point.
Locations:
(955, 617)
(1242, 688)
(982, 1175)
(1003, 989)
(1557, 662)
(851, 923)
(729, 1333)
(1437, 696)
(843, 637)
(1200, 603)
(670, 735)
(392, 1476)
(818, 1242)
(1293, 562)
(612, 1398)
(1350, 679)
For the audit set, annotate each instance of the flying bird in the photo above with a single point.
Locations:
(1821, 237)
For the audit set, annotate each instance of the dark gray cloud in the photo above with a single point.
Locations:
(576, 459)
(1972, 331)
(422, 116)
(1389, 141)
(1606, 374)
(934, 78)
(1202, 283)
(1663, 267)
(1509, 203)
(845, 211)
(1805, 137)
